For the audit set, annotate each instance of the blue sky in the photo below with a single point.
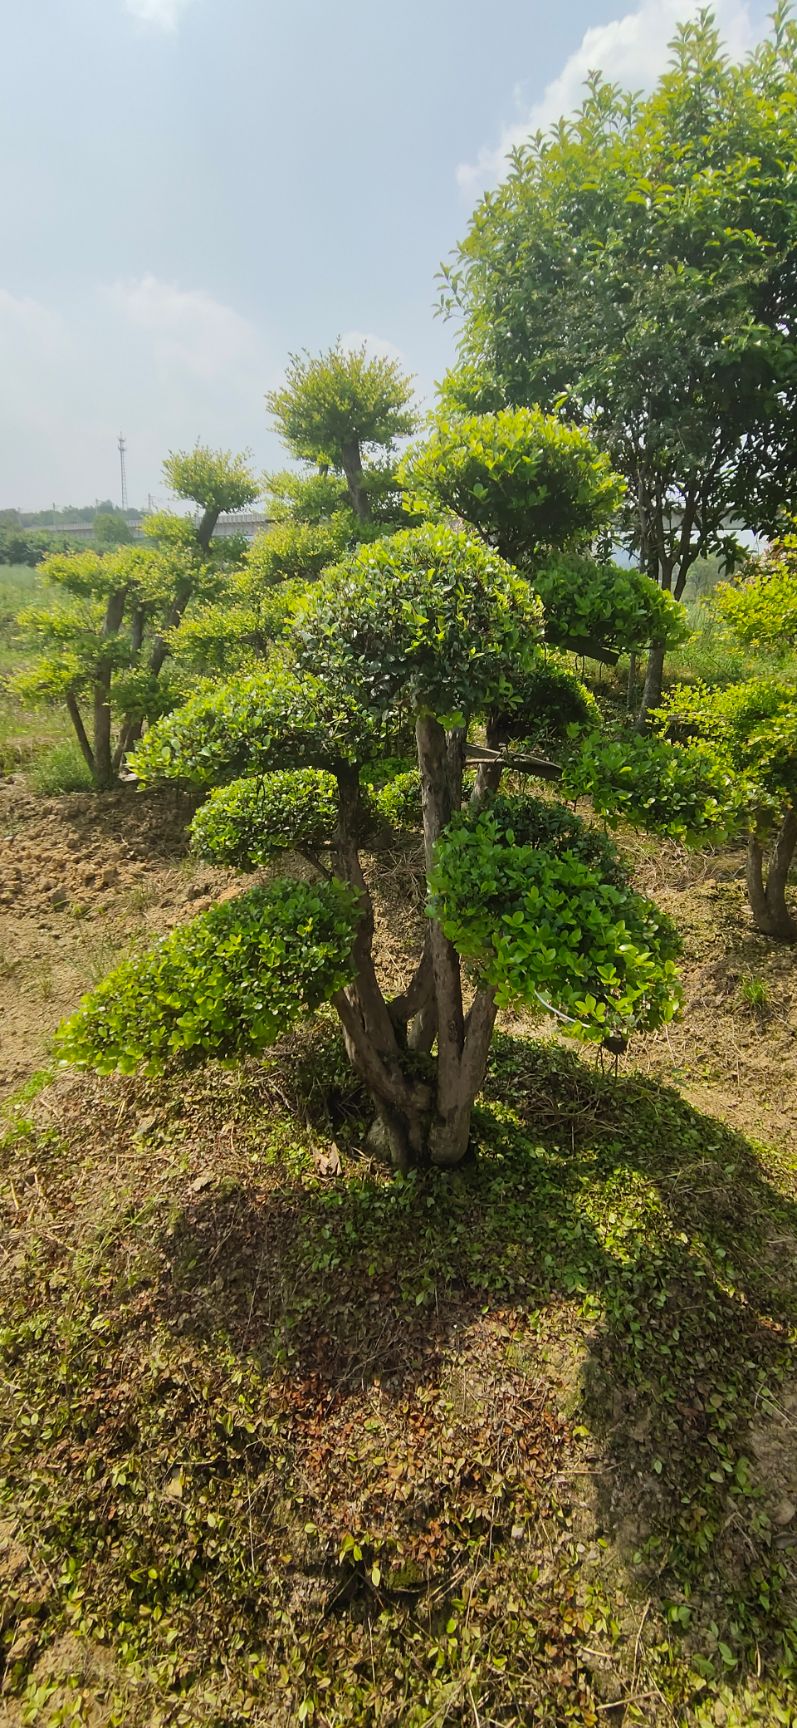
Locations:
(193, 188)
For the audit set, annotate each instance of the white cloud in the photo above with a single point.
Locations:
(187, 330)
(376, 345)
(164, 14)
(631, 50)
(166, 365)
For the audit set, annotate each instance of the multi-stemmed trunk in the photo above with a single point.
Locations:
(767, 883)
(132, 729)
(98, 751)
(423, 1108)
(182, 595)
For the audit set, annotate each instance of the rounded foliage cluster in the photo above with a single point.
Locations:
(399, 802)
(522, 478)
(230, 982)
(751, 730)
(762, 611)
(685, 792)
(215, 479)
(294, 552)
(548, 825)
(248, 822)
(545, 925)
(547, 702)
(590, 605)
(329, 400)
(428, 620)
(252, 725)
(234, 634)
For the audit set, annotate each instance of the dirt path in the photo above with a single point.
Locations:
(85, 880)
(82, 881)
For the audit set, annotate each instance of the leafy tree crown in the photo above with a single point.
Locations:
(429, 619)
(216, 480)
(329, 400)
(520, 477)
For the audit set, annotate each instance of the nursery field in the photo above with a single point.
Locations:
(287, 1439)
(398, 922)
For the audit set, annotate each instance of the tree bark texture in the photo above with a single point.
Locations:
(423, 1113)
(766, 892)
(102, 749)
(351, 457)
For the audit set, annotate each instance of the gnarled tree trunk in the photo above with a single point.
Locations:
(102, 751)
(420, 1117)
(654, 682)
(353, 469)
(767, 892)
(462, 1045)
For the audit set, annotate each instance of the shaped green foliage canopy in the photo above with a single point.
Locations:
(554, 925)
(408, 642)
(427, 620)
(229, 983)
(540, 493)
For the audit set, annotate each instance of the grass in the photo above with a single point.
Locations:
(711, 657)
(40, 739)
(509, 1445)
(60, 768)
(754, 993)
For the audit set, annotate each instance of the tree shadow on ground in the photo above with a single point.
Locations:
(388, 1313)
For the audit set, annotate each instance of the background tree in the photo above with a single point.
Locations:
(635, 271)
(338, 409)
(726, 758)
(414, 638)
(20, 546)
(89, 644)
(101, 647)
(109, 530)
(238, 629)
(218, 482)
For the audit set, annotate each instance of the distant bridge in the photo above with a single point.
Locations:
(248, 523)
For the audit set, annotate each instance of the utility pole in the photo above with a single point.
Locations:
(123, 467)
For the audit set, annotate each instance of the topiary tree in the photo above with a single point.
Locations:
(312, 523)
(408, 642)
(540, 492)
(220, 482)
(102, 647)
(337, 408)
(90, 647)
(238, 629)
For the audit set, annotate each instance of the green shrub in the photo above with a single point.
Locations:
(681, 792)
(429, 619)
(587, 604)
(545, 927)
(230, 982)
(61, 769)
(520, 477)
(549, 700)
(399, 802)
(248, 823)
